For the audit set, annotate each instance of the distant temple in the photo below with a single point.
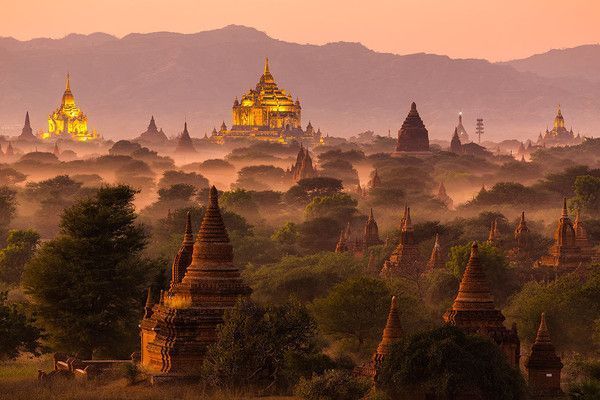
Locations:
(559, 135)
(413, 138)
(474, 311)
(494, 236)
(455, 143)
(461, 131)
(522, 236)
(442, 196)
(27, 133)
(436, 260)
(267, 113)
(176, 331)
(152, 135)
(185, 145)
(543, 365)
(371, 233)
(303, 167)
(375, 180)
(68, 121)
(565, 254)
(405, 260)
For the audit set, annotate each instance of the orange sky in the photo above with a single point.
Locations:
(492, 29)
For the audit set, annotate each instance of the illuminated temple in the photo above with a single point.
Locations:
(267, 113)
(68, 121)
(559, 135)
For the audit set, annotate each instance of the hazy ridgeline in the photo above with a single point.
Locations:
(284, 235)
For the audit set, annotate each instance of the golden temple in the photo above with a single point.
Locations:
(68, 121)
(267, 113)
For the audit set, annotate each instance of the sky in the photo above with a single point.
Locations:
(491, 29)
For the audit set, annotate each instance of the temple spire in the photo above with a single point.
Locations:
(266, 69)
(542, 336)
(27, 123)
(392, 331)
(565, 213)
(474, 291)
(68, 84)
(149, 304)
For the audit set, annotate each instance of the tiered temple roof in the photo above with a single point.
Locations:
(565, 254)
(185, 145)
(152, 135)
(303, 167)
(405, 260)
(474, 311)
(543, 365)
(436, 260)
(184, 322)
(412, 136)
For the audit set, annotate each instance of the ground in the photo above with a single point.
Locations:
(18, 381)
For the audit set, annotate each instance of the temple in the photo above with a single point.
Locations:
(543, 365)
(522, 237)
(371, 233)
(392, 333)
(176, 331)
(267, 113)
(185, 145)
(494, 237)
(375, 180)
(436, 260)
(581, 237)
(152, 135)
(559, 135)
(27, 133)
(405, 260)
(68, 121)
(442, 196)
(474, 311)
(413, 138)
(455, 143)
(303, 167)
(461, 131)
(565, 255)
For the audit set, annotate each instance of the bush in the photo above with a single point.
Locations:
(333, 385)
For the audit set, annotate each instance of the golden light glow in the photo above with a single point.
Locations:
(68, 121)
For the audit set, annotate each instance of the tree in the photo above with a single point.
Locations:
(333, 385)
(87, 284)
(446, 363)
(10, 176)
(178, 192)
(261, 177)
(124, 148)
(8, 207)
(587, 194)
(356, 307)
(17, 331)
(257, 344)
(339, 206)
(307, 189)
(319, 234)
(171, 178)
(20, 247)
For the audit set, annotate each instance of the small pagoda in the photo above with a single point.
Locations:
(494, 237)
(152, 135)
(27, 135)
(543, 365)
(405, 260)
(565, 255)
(392, 333)
(185, 145)
(413, 138)
(371, 233)
(442, 196)
(303, 167)
(581, 237)
(436, 260)
(176, 331)
(474, 311)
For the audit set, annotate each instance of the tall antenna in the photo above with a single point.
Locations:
(479, 129)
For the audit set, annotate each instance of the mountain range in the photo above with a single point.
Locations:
(344, 88)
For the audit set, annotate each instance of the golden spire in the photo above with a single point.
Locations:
(266, 71)
(68, 87)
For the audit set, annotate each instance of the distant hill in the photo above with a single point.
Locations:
(344, 88)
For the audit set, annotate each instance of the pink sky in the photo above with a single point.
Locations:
(492, 29)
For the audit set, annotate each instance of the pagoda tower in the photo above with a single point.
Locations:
(565, 254)
(581, 237)
(27, 133)
(543, 365)
(392, 333)
(522, 236)
(184, 255)
(474, 311)
(10, 151)
(177, 330)
(442, 196)
(405, 260)
(152, 135)
(375, 181)
(184, 143)
(494, 237)
(436, 260)
(371, 234)
(460, 129)
(341, 245)
(455, 143)
(413, 138)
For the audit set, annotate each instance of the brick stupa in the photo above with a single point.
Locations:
(185, 145)
(405, 260)
(474, 311)
(392, 333)
(543, 365)
(522, 237)
(565, 255)
(371, 233)
(176, 331)
(413, 138)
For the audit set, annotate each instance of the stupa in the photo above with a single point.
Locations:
(303, 168)
(152, 135)
(474, 311)
(371, 234)
(176, 331)
(522, 236)
(413, 138)
(185, 145)
(455, 143)
(27, 133)
(436, 260)
(392, 333)
(543, 365)
(405, 260)
(565, 255)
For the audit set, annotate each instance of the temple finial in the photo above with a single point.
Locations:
(266, 71)
(564, 210)
(213, 197)
(68, 86)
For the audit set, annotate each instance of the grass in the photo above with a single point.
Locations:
(18, 381)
